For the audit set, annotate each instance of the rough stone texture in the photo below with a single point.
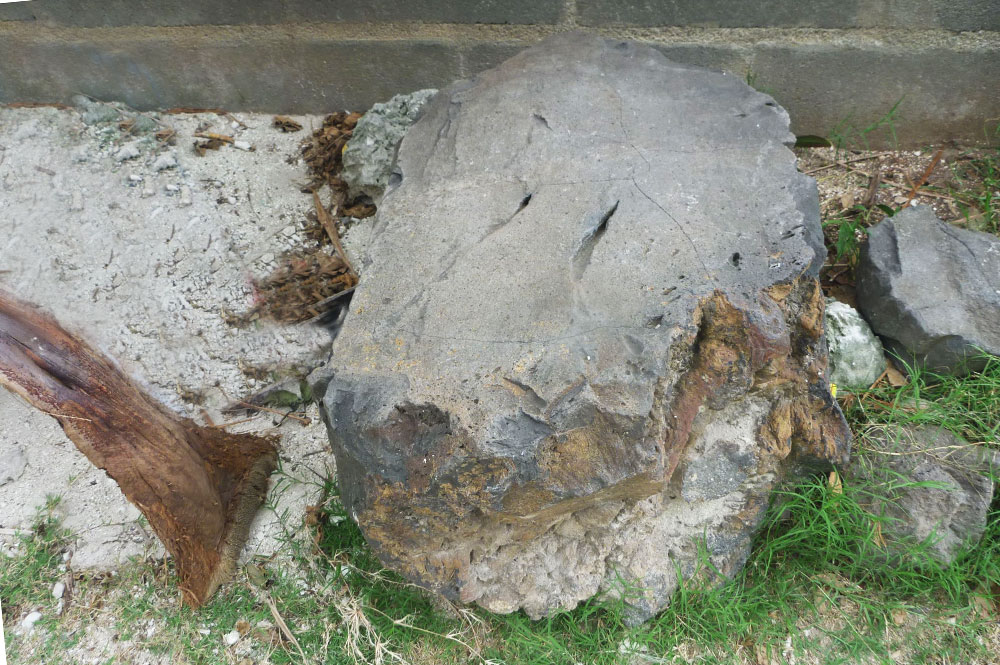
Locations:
(948, 515)
(856, 356)
(588, 332)
(371, 152)
(931, 290)
(12, 464)
(949, 14)
(239, 12)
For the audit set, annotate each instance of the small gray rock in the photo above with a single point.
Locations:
(856, 356)
(167, 160)
(371, 152)
(931, 290)
(128, 151)
(948, 515)
(143, 124)
(94, 112)
(12, 464)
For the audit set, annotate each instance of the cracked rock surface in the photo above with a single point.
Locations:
(588, 333)
(931, 290)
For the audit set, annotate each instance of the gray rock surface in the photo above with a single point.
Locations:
(371, 152)
(856, 355)
(12, 464)
(588, 333)
(947, 515)
(931, 290)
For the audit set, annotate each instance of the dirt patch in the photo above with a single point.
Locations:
(116, 225)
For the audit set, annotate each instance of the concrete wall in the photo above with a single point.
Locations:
(836, 65)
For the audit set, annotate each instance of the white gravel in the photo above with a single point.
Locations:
(143, 249)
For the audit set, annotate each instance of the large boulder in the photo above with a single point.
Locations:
(931, 290)
(588, 336)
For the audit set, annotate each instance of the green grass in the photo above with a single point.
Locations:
(847, 136)
(817, 585)
(976, 188)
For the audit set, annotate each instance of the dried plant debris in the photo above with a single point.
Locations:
(323, 152)
(299, 290)
(286, 124)
(201, 147)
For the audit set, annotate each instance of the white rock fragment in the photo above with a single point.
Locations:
(167, 160)
(231, 638)
(172, 189)
(147, 193)
(134, 179)
(58, 589)
(127, 151)
(856, 356)
(185, 196)
(29, 621)
(204, 631)
(242, 145)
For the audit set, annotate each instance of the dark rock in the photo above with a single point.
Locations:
(931, 290)
(588, 334)
(947, 513)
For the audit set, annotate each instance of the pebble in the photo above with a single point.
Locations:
(58, 589)
(135, 179)
(242, 145)
(204, 631)
(126, 152)
(29, 621)
(231, 638)
(185, 196)
(165, 161)
(172, 189)
(146, 193)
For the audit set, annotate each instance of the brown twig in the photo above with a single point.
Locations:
(283, 626)
(925, 176)
(897, 185)
(301, 419)
(212, 135)
(873, 183)
(331, 230)
(235, 422)
(845, 162)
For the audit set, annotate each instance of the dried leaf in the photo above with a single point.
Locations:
(286, 124)
(984, 606)
(836, 486)
(895, 377)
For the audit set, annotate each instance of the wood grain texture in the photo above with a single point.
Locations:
(198, 487)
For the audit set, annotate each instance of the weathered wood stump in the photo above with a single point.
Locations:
(198, 487)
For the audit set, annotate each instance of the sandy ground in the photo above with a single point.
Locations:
(144, 249)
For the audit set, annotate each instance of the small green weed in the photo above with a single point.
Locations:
(845, 136)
